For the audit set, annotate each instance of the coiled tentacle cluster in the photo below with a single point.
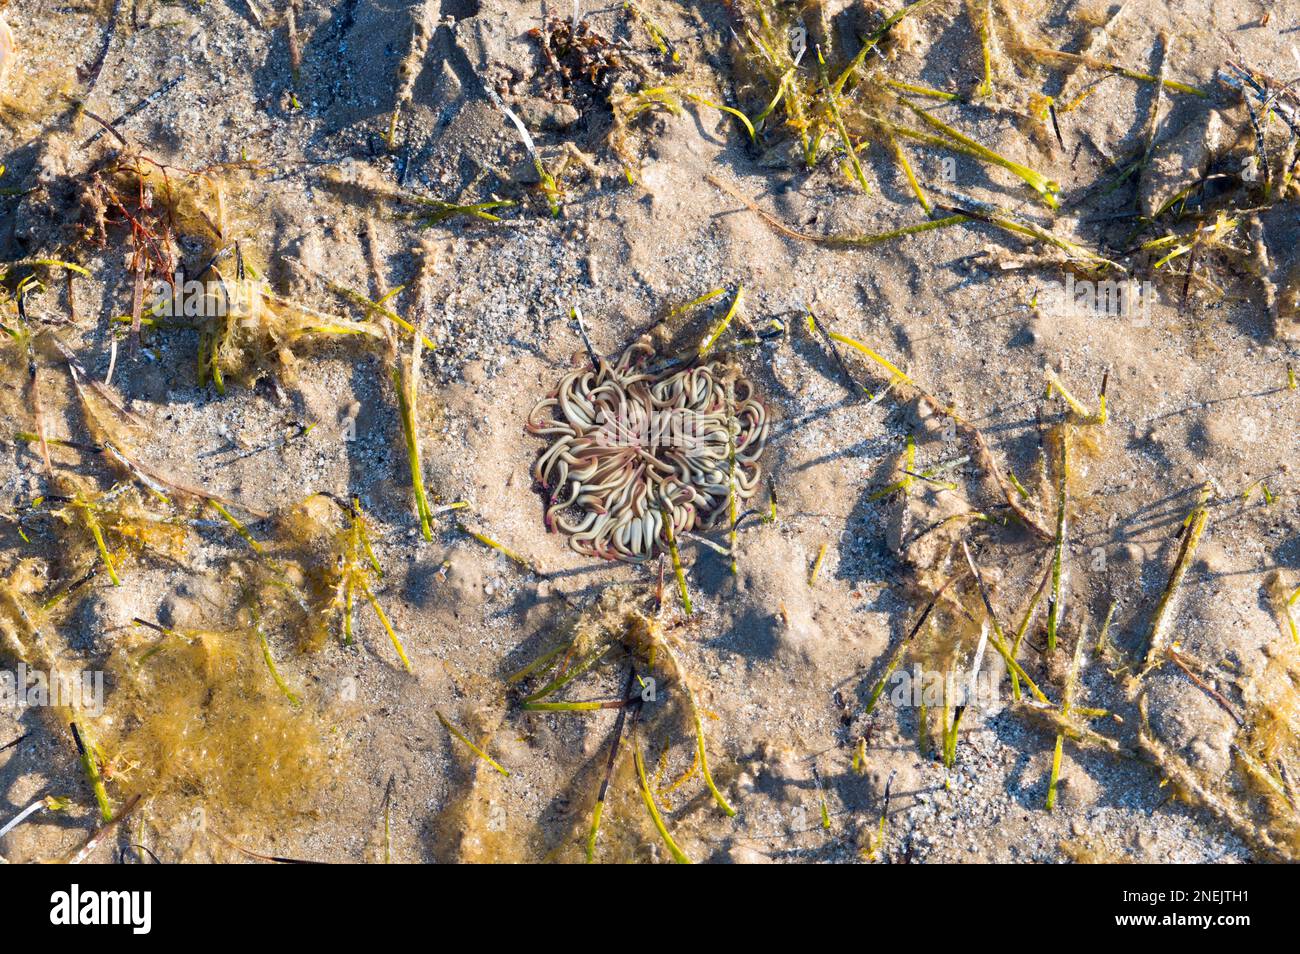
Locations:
(632, 447)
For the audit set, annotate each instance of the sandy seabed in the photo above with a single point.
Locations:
(277, 123)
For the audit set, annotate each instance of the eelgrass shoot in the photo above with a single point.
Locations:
(492, 544)
(549, 186)
(1193, 528)
(702, 754)
(439, 211)
(461, 737)
(598, 810)
(837, 120)
(358, 570)
(92, 524)
(1103, 635)
(817, 565)
(568, 675)
(995, 637)
(896, 656)
(238, 526)
(1082, 413)
(1060, 546)
(821, 799)
(90, 760)
(669, 97)
(271, 667)
(1286, 605)
(678, 572)
(652, 29)
(876, 843)
(648, 798)
(905, 482)
(836, 240)
(951, 721)
(1023, 629)
(109, 528)
(969, 692)
(1067, 706)
(861, 103)
(1291, 602)
(712, 337)
(378, 307)
(1264, 491)
(981, 17)
(406, 382)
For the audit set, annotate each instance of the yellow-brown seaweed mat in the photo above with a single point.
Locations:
(197, 719)
(1258, 798)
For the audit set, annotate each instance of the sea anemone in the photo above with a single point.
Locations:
(633, 444)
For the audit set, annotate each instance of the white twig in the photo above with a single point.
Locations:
(22, 816)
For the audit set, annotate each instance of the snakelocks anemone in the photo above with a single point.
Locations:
(634, 445)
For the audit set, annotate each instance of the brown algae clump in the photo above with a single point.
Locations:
(196, 718)
(634, 445)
